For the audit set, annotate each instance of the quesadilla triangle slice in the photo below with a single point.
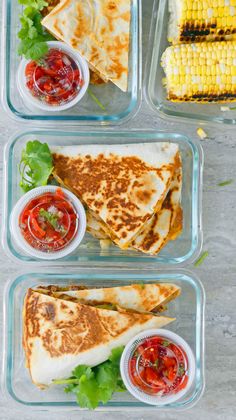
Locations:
(162, 227)
(99, 30)
(165, 225)
(60, 335)
(123, 185)
(137, 297)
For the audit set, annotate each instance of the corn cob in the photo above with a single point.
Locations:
(201, 72)
(202, 20)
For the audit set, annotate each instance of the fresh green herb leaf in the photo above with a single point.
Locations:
(96, 100)
(201, 259)
(165, 343)
(181, 370)
(97, 384)
(52, 219)
(228, 182)
(32, 35)
(116, 355)
(88, 395)
(227, 108)
(141, 285)
(36, 165)
(156, 363)
(82, 370)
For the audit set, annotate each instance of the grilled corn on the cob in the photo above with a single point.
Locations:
(202, 20)
(201, 72)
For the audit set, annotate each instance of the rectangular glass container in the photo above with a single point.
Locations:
(183, 249)
(119, 105)
(188, 309)
(154, 74)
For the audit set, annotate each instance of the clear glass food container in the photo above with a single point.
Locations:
(185, 248)
(119, 106)
(188, 309)
(156, 92)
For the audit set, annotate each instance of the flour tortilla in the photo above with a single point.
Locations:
(59, 335)
(137, 297)
(99, 30)
(123, 186)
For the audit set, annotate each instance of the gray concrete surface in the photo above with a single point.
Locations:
(217, 274)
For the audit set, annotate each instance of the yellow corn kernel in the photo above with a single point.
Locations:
(205, 20)
(214, 81)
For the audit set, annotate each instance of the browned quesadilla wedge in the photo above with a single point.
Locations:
(163, 226)
(138, 297)
(99, 30)
(59, 335)
(122, 185)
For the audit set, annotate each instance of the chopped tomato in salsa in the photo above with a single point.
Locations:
(159, 366)
(49, 222)
(55, 80)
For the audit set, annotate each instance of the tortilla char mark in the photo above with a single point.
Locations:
(70, 328)
(124, 185)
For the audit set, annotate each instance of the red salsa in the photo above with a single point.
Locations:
(55, 79)
(49, 222)
(159, 367)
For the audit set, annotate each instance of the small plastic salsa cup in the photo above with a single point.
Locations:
(158, 367)
(48, 222)
(57, 81)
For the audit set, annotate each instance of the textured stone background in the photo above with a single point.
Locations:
(217, 273)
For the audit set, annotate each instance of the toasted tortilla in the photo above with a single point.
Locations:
(59, 335)
(99, 30)
(162, 227)
(123, 185)
(165, 225)
(137, 297)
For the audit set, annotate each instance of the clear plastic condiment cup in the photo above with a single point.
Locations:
(155, 399)
(33, 101)
(17, 235)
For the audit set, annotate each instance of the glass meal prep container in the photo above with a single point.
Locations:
(188, 309)
(155, 90)
(185, 248)
(119, 106)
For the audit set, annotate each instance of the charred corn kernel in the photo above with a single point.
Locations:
(213, 81)
(202, 134)
(202, 20)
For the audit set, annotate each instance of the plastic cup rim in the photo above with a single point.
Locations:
(142, 396)
(21, 242)
(25, 93)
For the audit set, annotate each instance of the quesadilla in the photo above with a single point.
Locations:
(160, 228)
(99, 30)
(123, 185)
(163, 226)
(137, 297)
(59, 335)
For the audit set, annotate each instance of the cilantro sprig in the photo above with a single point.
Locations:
(36, 165)
(93, 385)
(32, 35)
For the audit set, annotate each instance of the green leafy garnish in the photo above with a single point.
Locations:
(181, 370)
(32, 35)
(96, 100)
(156, 363)
(52, 219)
(97, 384)
(201, 259)
(165, 343)
(36, 165)
(228, 182)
